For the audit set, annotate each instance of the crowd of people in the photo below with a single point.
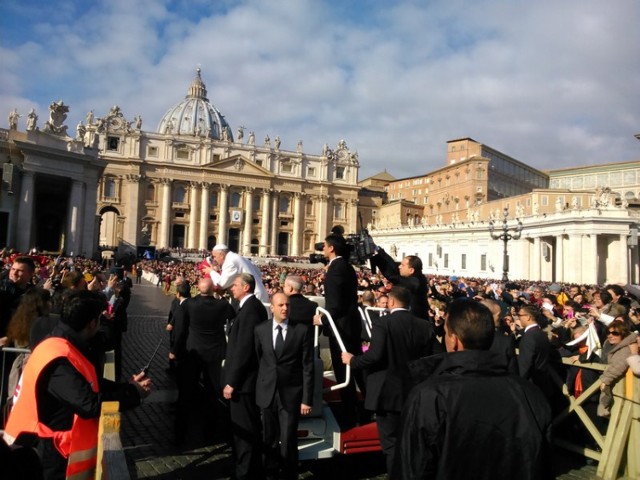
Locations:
(58, 318)
(435, 362)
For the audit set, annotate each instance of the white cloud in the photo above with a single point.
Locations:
(551, 83)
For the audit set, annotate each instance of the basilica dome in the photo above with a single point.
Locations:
(195, 116)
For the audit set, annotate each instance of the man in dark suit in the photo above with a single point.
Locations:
(409, 275)
(284, 389)
(396, 339)
(200, 346)
(301, 309)
(183, 291)
(503, 344)
(470, 418)
(534, 359)
(239, 377)
(341, 301)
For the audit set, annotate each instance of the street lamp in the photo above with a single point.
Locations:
(505, 236)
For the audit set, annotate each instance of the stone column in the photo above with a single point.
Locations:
(248, 221)
(322, 217)
(25, 212)
(132, 225)
(352, 216)
(274, 224)
(91, 222)
(559, 259)
(574, 257)
(75, 217)
(193, 216)
(266, 222)
(590, 273)
(223, 226)
(537, 258)
(296, 241)
(165, 216)
(621, 271)
(204, 216)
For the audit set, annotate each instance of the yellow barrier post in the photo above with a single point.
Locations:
(109, 428)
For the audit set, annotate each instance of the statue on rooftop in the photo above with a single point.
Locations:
(13, 119)
(57, 115)
(32, 120)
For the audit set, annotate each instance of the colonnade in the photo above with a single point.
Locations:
(271, 218)
(592, 252)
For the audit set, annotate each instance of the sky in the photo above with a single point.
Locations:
(552, 83)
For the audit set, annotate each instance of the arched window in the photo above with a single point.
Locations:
(338, 211)
(309, 208)
(179, 194)
(256, 202)
(213, 200)
(110, 188)
(285, 204)
(235, 199)
(151, 193)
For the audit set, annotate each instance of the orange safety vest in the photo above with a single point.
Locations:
(80, 444)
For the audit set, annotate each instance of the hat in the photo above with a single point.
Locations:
(554, 287)
(220, 247)
(454, 278)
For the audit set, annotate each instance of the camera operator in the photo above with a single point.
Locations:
(408, 275)
(341, 301)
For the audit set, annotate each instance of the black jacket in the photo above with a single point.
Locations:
(301, 309)
(199, 325)
(241, 362)
(291, 374)
(396, 339)
(416, 283)
(534, 360)
(341, 301)
(470, 419)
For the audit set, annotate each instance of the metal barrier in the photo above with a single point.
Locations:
(620, 446)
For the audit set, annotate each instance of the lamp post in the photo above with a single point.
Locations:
(505, 235)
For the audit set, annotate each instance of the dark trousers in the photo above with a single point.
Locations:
(280, 438)
(388, 423)
(348, 394)
(245, 426)
(54, 465)
(189, 372)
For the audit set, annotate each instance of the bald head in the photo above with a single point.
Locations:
(205, 286)
(280, 307)
(494, 308)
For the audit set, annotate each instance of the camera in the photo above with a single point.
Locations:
(360, 245)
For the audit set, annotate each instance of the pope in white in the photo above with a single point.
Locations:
(231, 263)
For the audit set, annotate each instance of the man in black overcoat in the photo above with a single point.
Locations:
(239, 377)
(284, 388)
(409, 275)
(301, 310)
(341, 301)
(200, 346)
(396, 339)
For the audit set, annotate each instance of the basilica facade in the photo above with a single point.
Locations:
(192, 184)
(188, 184)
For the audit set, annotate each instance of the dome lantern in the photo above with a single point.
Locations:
(195, 115)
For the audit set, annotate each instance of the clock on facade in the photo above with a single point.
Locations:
(236, 216)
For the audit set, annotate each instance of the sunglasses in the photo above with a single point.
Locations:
(615, 334)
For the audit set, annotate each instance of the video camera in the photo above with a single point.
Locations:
(361, 247)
